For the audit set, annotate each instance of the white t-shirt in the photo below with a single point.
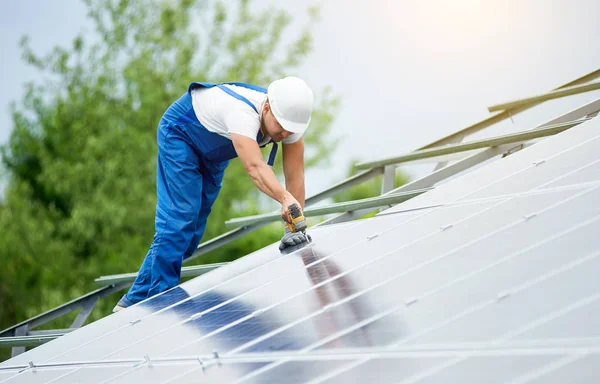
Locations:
(223, 114)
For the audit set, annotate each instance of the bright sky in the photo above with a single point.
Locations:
(408, 71)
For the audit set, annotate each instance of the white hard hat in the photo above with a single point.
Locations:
(291, 101)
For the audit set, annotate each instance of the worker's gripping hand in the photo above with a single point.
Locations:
(288, 200)
(291, 239)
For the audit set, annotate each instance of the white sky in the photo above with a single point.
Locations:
(408, 72)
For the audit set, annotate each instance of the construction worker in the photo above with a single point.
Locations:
(197, 136)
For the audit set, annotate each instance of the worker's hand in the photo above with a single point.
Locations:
(288, 200)
(291, 239)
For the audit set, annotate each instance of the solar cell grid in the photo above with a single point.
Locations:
(494, 280)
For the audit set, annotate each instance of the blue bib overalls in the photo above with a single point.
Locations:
(191, 164)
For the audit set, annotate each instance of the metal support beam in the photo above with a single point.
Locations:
(223, 239)
(429, 180)
(501, 116)
(86, 310)
(51, 332)
(584, 111)
(575, 90)
(453, 169)
(357, 179)
(62, 310)
(442, 164)
(389, 177)
(128, 278)
(373, 202)
(484, 143)
(19, 348)
(20, 336)
(18, 343)
(31, 339)
(445, 172)
(515, 149)
(346, 216)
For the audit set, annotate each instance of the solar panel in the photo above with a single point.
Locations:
(491, 277)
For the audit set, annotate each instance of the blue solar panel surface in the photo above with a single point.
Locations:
(491, 278)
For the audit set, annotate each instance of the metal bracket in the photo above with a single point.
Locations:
(513, 150)
(88, 307)
(20, 331)
(26, 337)
(389, 177)
(593, 114)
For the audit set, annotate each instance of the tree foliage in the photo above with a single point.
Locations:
(81, 158)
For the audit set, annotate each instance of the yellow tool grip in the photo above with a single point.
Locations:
(298, 221)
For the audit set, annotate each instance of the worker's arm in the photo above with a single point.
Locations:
(261, 174)
(293, 169)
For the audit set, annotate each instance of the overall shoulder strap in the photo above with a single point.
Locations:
(231, 92)
(237, 96)
(249, 86)
(273, 152)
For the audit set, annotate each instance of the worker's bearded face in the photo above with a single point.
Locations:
(270, 125)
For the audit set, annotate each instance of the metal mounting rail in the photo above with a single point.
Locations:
(191, 271)
(512, 138)
(373, 202)
(569, 91)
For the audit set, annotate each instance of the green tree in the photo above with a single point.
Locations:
(81, 158)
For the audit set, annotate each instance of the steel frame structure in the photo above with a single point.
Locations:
(440, 152)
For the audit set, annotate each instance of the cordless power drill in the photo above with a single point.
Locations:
(298, 223)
